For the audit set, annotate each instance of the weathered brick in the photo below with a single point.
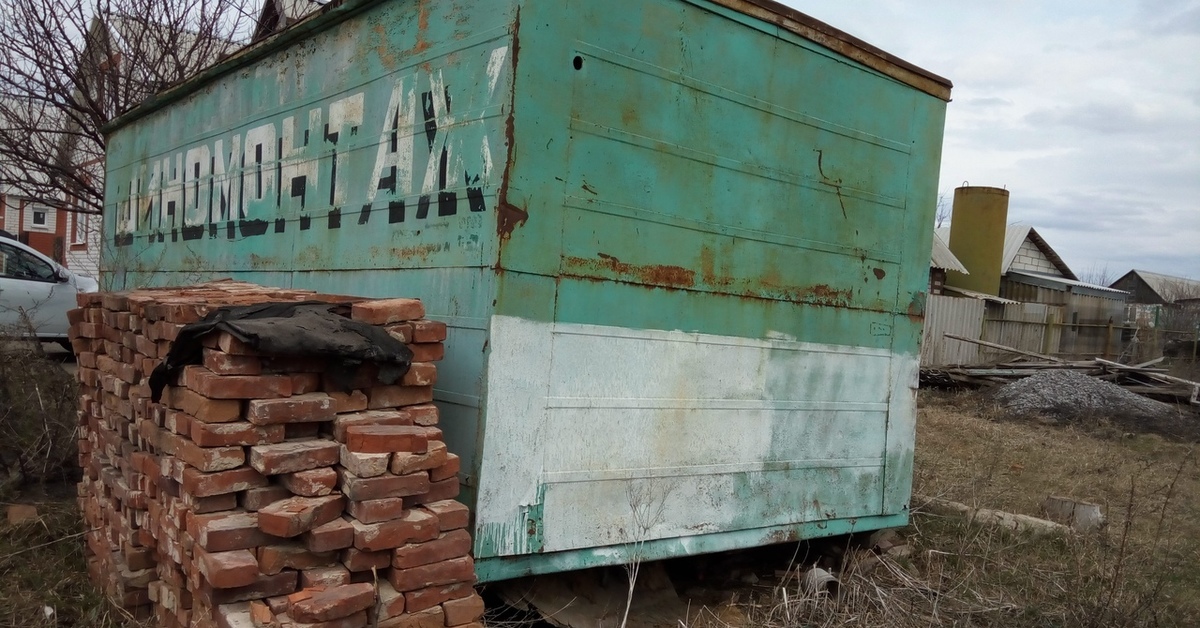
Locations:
(427, 351)
(302, 431)
(448, 470)
(305, 408)
(428, 331)
(203, 484)
(273, 559)
(352, 401)
(415, 526)
(446, 489)
(226, 531)
(387, 311)
(209, 458)
(428, 618)
(424, 414)
(204, 409)
(364, 465)
(420, 374)
(463, 610)
(371, 417)
(453, 544)
(400, 331)
(395, 396)
(335, 535)
(297, 515)
(377, 439)
(231, 345)
(265, 586)
(403, 463)
(357, 560)
(226, 570)
(430, 597)
(451, 515)
(293, 456)
(236, 433)
(331, 603)
(310, 483)
(376, 510)
(360, 489)
(228, 364)
(458, 570)
(257, 498)
(257, 387)
(304, 383)
(324, 576)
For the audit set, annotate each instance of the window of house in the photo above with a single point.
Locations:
(79, 232)
(39, 217)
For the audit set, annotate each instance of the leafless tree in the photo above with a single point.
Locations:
(944, 208)
(69, 66)
(1098, 274)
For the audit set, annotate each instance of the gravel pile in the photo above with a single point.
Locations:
(1069, 394)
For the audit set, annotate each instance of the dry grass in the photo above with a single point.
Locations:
(1143, 570)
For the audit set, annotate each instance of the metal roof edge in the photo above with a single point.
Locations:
(1071, 285)
(843, 43)
(334, 12)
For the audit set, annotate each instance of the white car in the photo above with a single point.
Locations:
(33, 286)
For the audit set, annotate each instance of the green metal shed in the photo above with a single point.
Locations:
(681, 245)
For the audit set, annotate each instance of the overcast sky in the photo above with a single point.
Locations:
(1087, 111)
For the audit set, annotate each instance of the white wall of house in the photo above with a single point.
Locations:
(1030, 257)
(12, 215)
(83, 244)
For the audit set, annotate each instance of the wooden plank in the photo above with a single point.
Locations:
(1005, 348)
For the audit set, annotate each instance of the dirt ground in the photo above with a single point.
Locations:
(1142, 570)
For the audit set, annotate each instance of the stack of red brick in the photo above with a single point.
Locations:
(256, 492)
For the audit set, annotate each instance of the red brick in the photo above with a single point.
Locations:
(237, 433)
(324, 576)
(381, 439)
(226, 570)
(428, 331)
(302, 431)
(404, 463)
(203, 484)
(458, 570)
(257, 498)
(448, 470)
(401, 331)
(210, 459)
(451, 515)
(463, 610)
(356, 560)
(335, 535)
(261, 615)
(231, 345)
(420, 374)
(387, 311)
(363, 465)
(306, 408)
(453, 544)
(376, 510)
(391, 601)
(293, 456)
(430, 597)
(360, 489)
(256, 387)
(297, 515)
(428, 618)
(226, 531)
(352, 401)
(446, 489)
(311, 483)
(273, 559)
(304, 383)
(266, 586)
(425, 414)
(333, 603)
(370, 417)
(427, 351)
(202, 408)
(414, 526)
(228, 364)
(396, 396)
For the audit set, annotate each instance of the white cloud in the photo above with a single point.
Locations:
(1089, 113)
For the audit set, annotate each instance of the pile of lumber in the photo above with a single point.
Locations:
(1146, 378)
(259, 491)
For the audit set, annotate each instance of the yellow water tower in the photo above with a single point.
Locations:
(977, 227)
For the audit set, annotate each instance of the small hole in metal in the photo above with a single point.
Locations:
(578, 62)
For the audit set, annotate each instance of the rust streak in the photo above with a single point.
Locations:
(650, 274)
(879, 273)
(836, 184)
(422, 27)
(508, 216)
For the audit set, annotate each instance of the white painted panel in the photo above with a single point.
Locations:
(729, 433)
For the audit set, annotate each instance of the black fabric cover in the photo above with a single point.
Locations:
(304, 329)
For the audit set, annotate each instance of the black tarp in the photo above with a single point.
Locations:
(305, 329)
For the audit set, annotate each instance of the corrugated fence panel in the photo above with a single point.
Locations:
(951, 315)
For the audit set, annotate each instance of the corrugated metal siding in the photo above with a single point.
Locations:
(951, 315)
(1027, 326)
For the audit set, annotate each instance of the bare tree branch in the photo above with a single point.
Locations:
(69, 66)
